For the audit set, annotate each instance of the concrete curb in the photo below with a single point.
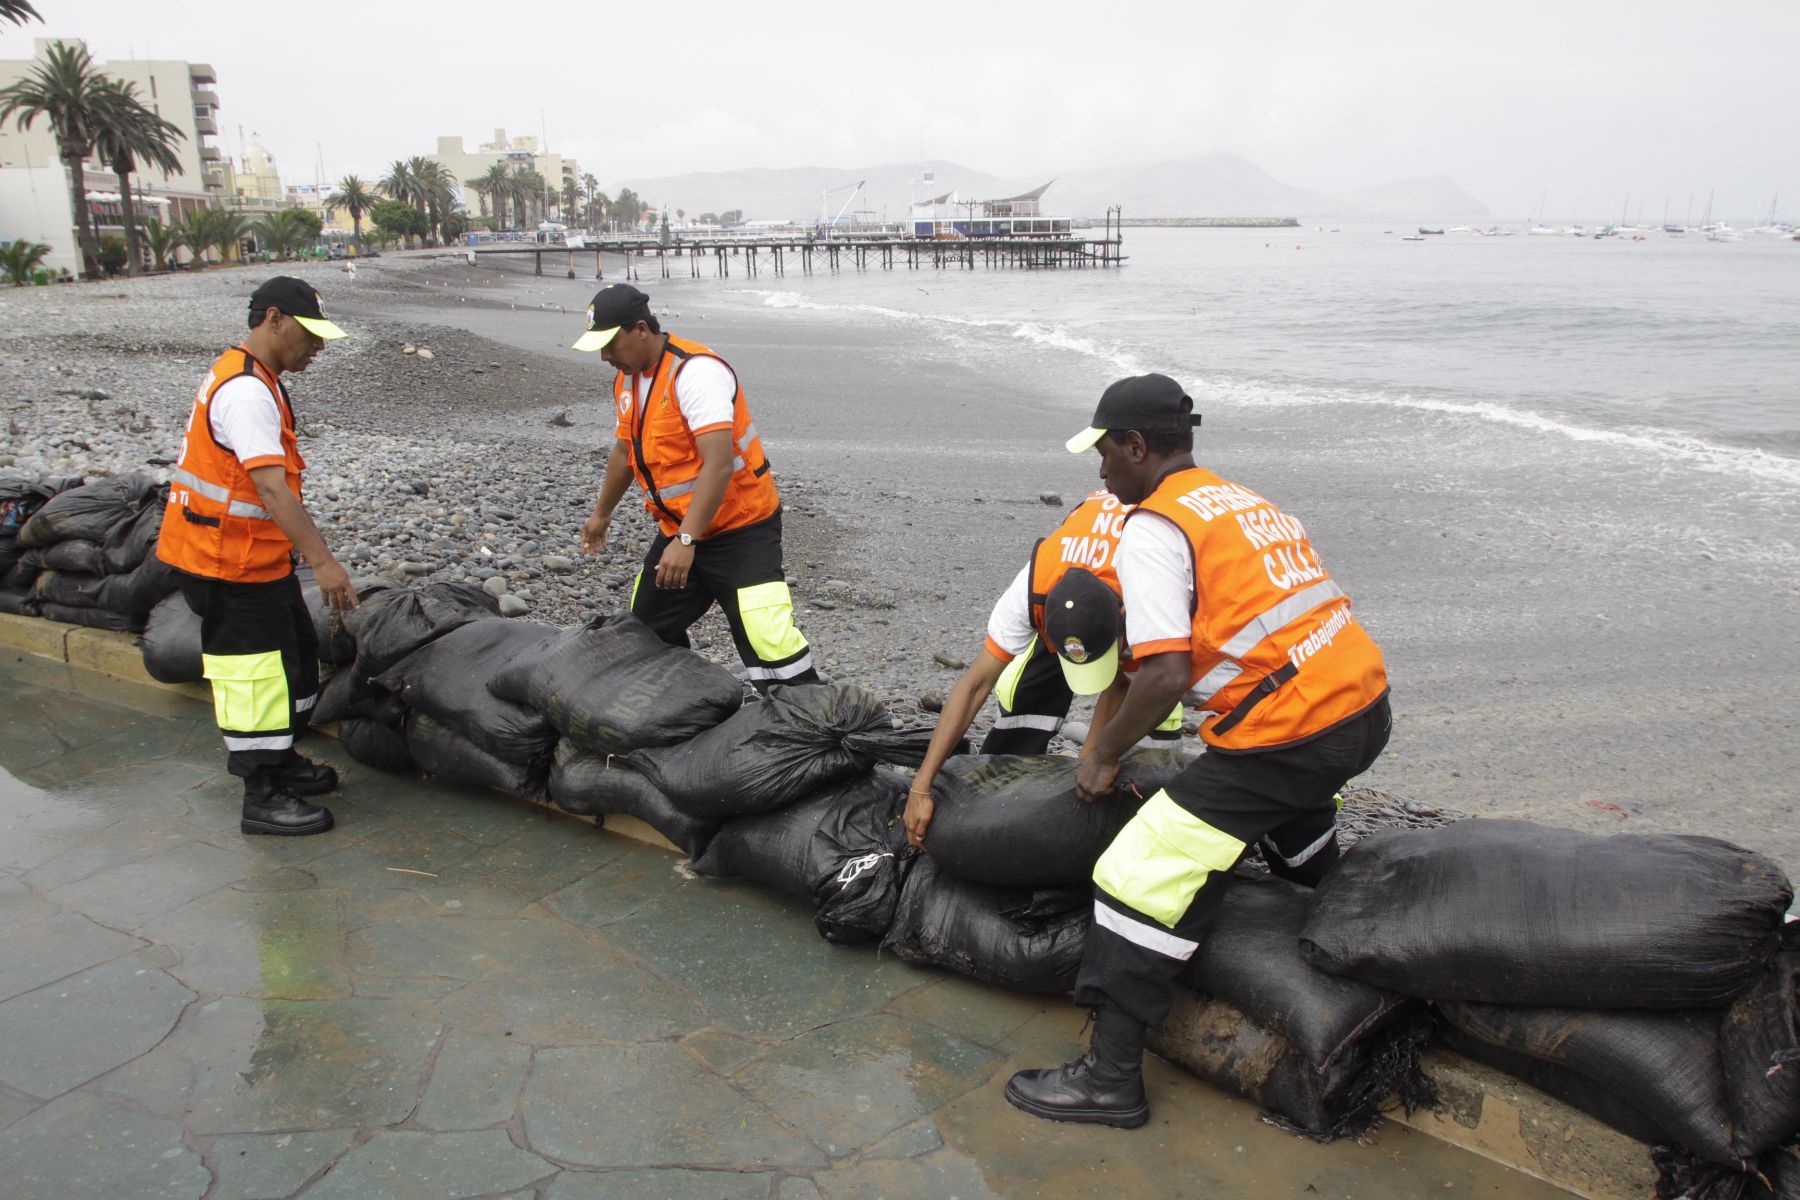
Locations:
(1485, 1111)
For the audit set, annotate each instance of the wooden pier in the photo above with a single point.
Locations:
(750, 257)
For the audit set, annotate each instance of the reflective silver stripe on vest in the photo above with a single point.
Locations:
(1217, 679)
(682, 489)
(1279, 617)
(212, 491)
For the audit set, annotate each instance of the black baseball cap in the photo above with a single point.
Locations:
(1147, 403)
(613, 308)
(1084, 623)
(297, 299)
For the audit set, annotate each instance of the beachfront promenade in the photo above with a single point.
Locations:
(451, 995)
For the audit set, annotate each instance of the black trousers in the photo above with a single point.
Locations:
(740, 571)
(1034, 698)
(261, 655)
(1158, 886)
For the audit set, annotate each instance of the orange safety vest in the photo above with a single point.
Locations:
(216, 524)
(1277, 655)
(1087, 538)
(666, 461)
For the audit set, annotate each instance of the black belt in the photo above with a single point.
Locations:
(1268, 683)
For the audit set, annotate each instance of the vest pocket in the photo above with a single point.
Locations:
(1162, 858)
(767, 611)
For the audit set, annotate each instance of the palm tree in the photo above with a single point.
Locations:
(436, 190)
(494, 187)
(196, 233)
(20, 259)
(571, 200)
(399, 183)
(288, 230)
(598, 206)
(65, 88)
(127, 134)
(353, 195)
(18, 12)
(162, 242)
(228, 230)
(528, 194)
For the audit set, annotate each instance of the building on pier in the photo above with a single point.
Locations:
(946, 218)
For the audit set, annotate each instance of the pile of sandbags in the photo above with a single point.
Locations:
(86, 554)
(1645, 979)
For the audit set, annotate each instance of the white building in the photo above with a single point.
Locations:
(34, 185)
(518, 153)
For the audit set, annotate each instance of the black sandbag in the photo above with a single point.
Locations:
(88, 512)
(141, 590)
(441, 752)
(1250, 958)
(842, 846)
(1664, 1065)
(1015, 820)
(768, 755)
(896, 747)
(390, 625)
(1223, 1045)
(129, 543)
(613, 686)
(70, 590)
(1028, 941)
(1597, 1100)
(171, 642)
(18, 602)
(336, 644)
(1759, 1051)
(447, 680)
(75, 555)
(375, 744)
(24, 572)
(596, 784)
(10, 552)
(1518, 913)
(92, 618)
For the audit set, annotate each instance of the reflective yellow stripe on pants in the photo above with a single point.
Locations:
(767, 611)
(1162, 858)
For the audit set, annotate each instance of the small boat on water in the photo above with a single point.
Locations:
(1423, 231)
(1414, 237)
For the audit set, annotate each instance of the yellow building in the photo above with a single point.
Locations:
(519, 153)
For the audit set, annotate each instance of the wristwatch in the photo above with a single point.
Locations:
(686, 539)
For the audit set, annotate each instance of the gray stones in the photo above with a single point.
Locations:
(122, 1009)
(558, 564)
(415, 568)
(945, 660)
(273, 1164)
(83, 1148)
(494, 583)
(1051, 498)
(512, 606)
(407, 1165)
(475, 1083)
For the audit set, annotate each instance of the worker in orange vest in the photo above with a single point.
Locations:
(1054, 634)
(232, 527)
(1224, 595)
(684, 433)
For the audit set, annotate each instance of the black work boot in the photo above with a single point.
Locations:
(304, 777)
(271, 807)
(1105, 1086)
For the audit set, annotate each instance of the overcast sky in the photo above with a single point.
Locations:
(1586, 100)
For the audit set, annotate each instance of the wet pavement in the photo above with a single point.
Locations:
(453, 995)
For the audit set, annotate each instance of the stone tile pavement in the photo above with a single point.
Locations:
(454, 995)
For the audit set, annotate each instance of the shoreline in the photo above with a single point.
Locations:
(904, 522)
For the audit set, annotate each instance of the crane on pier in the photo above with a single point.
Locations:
(825, 225)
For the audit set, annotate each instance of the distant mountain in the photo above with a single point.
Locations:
(1210, 185)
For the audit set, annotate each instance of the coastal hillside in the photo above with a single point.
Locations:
(1207, 185)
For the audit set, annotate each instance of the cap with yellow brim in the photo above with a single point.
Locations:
(614, 307)
(1084, 441)
(595, 339)
(1093, 676)
(319, 327)
(1143, 402)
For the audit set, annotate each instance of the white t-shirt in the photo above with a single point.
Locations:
(706, 391)
(1156, 575)
(246, 419)
(1009, 625)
